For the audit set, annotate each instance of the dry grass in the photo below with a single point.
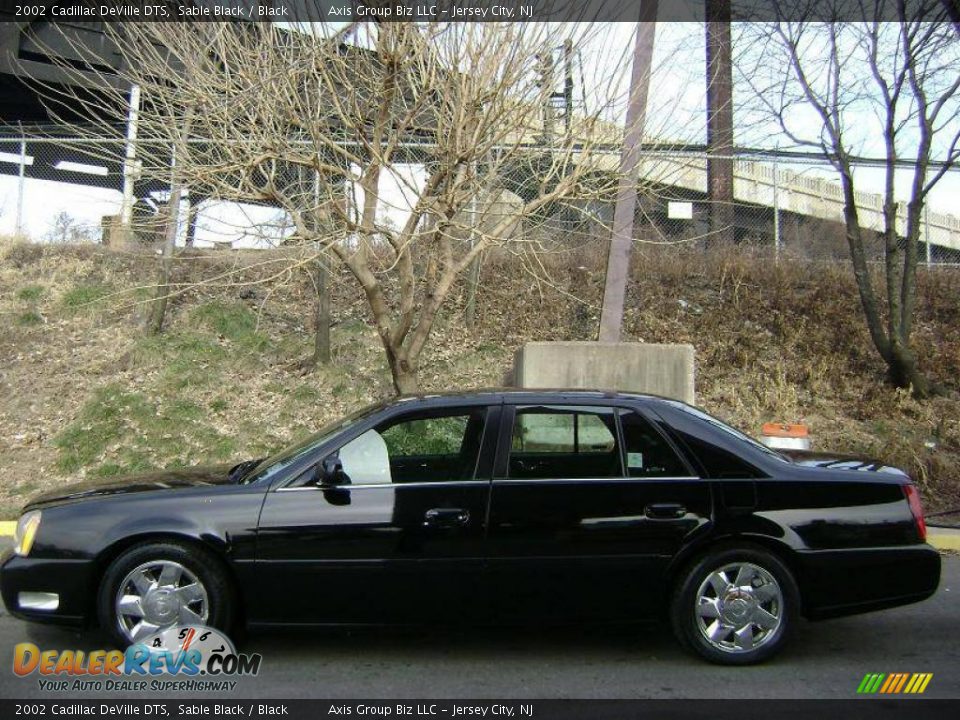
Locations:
(83, 394)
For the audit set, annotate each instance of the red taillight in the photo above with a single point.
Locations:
(913, 499)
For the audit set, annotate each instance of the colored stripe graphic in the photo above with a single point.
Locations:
(927, 677)
(894, 683)
(871, 683)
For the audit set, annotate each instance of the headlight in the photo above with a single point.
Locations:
(26, 531)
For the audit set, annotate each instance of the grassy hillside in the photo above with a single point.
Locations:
(83, 393)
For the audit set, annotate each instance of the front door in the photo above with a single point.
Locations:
(589, 504)
(400, 541)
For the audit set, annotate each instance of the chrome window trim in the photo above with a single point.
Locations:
(498, 481)
(568, 481)
(365, 486)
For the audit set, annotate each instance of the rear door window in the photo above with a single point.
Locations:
(559, 442)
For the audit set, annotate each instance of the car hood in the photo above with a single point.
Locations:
(838, 461)
(170, 480)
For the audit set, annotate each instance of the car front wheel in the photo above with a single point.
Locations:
(735, 606)
(154, 586)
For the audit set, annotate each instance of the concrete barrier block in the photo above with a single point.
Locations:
(666, 370)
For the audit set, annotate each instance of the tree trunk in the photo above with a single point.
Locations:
(192, 223)
(321, 342)
(903, 371)
(405, 382)
(405, 372)
(893, 341)
(473, 279)
(158, 306)
(406, 379)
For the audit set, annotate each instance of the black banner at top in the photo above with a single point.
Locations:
(299, 11)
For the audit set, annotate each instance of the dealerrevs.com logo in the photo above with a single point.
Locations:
(180, 658)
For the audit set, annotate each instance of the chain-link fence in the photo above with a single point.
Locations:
(67, 189)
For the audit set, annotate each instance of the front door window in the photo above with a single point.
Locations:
(432, 447)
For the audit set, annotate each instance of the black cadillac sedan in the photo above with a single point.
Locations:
(488, 507)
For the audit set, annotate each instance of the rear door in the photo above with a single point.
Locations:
(402, 541)
(589, 504)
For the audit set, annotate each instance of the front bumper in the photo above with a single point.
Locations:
(846, 582)
(72, 581)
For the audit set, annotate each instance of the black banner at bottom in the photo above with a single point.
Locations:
(854, 709)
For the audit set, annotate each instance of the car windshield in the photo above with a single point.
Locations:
(286, 457)
(690, 410)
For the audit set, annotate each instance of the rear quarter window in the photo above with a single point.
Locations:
(718, 462)
(693, 430)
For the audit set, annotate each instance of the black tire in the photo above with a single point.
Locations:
(207, 569)
(726, 649)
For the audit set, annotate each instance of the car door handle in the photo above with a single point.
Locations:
(668, 511)
(446, 517)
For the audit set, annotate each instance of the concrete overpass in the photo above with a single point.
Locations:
(769, 184)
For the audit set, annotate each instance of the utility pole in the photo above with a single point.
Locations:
(618, 259)
(719, 121)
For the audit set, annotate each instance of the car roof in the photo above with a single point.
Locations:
(519, 395)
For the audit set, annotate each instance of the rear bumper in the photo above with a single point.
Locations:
(845, 582)
(72, 581)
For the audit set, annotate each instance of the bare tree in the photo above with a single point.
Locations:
(865, 89)
(60, 228)
(65, 229)
(402, 151)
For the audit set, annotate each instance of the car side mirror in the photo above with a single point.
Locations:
(329, 473)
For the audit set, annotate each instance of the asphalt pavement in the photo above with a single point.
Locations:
(825, 659)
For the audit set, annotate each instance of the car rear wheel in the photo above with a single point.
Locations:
(155, 586)
(735, 606)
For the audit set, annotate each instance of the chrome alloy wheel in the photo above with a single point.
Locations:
(739, 607)
(156, 595)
